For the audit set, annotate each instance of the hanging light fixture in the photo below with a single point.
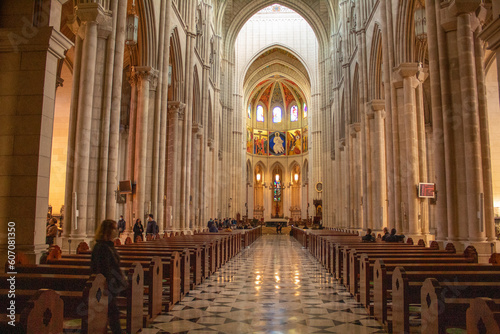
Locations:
(132, 27)
(420, 22)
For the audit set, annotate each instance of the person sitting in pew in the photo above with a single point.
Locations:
(394, 237)
(213, 229)
(368, 237)
(386, 233)
(106, 261)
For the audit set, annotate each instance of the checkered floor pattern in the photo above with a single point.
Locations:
(275, 286)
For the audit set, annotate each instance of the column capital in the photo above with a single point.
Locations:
(91, 12)
(458, 7)
(146, 73)
(377, 105)
(176, 108)
(354, 128)
(197, 128)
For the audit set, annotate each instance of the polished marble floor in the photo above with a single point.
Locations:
(274, 286)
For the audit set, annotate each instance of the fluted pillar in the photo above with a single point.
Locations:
(379, 165)
(145, 75)
(84, 124)
(174, 151)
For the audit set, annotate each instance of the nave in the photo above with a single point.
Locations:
(275, 286)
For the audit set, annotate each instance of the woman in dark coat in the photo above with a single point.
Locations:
(138, 230)
(106, 261)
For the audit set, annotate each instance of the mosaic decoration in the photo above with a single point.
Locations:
(260, 143)
(265, 96)
(277, 143)
(289, 98)
(294, 142)
(249, 140)
(305, 142)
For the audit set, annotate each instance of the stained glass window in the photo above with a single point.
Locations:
(277, 190)
(277, 115)
(305, 110)
(260, 114)
(294, 114)
(249, 112)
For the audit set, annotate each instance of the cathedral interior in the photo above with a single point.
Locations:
(351, 114)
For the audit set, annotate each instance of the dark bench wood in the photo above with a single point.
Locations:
(443, 304)
(90, 303)
(381, 290)
(483, 316)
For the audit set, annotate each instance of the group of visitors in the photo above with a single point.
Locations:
(387, 237)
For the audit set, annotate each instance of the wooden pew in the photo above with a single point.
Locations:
(366, 271)
(483, 316)
(171, 272)
(381, 293)
(153, 279)
(82, 297)
(444, 304)
(41, 314)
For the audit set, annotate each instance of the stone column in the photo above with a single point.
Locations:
(410, 83)
(470, 114)
(438, 145)
(131, 214)
(84, 122)
(30, 52)
(145, 75)
(116, 97)
(379, 165)
(174, 151)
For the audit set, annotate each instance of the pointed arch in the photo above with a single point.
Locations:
(355, 114)
(210, 120)
(376, 85)
(175, 91)
(405, 32)
(146, 35)
(196, 98)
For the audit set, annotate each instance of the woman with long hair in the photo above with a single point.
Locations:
(106, 261)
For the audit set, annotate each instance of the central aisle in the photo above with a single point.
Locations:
(275, 286)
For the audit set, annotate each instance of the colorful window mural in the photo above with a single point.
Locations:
(249, 140)
(249, 112)
(294, 142)
(277, 143)
(305, 110)
(277, 190)
(260, 114)
(277, 115)
(294, 114)
(260, 144)
(305, 143)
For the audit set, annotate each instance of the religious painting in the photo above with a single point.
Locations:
(294, 142)
(305, 143)
(249, 140)
(260, 142)
(277, 143)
